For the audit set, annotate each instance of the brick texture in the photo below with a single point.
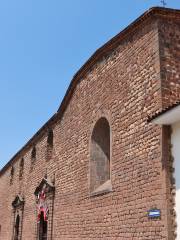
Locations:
(170, 67)
(125, 86)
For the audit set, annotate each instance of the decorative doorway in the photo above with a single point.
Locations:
(43, 227)
(44, 194)
(18, 209)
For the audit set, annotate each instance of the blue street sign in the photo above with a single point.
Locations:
(154, 213)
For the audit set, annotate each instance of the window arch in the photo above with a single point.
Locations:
(21, 168)
(12, 175)
(50, 138)
(100, 157)
(33, 153)
(50, 142)
(33, 157)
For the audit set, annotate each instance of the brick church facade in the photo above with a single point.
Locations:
(103, 164)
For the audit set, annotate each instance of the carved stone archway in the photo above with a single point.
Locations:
(44, 194)
(18, 210)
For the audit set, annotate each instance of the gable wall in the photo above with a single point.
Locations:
(169, 31)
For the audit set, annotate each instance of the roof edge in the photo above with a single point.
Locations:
(110, 45)
(163, 111)
(30, 143)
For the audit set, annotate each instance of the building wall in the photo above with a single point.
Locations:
(169, 48)
(125, 87)
(169, 31)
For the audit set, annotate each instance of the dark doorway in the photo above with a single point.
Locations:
(42, 228)
(16, 235)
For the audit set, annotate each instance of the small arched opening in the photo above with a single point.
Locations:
(50, 142)
(21, 168)
(12, 175)
(100, 157)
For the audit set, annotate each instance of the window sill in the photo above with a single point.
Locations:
(103, 189)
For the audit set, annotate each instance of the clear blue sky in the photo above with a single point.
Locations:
(42, 45)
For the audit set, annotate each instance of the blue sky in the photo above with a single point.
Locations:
(42, 45)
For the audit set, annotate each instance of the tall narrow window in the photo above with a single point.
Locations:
(21, 168)
(12, 175)
(33, 157)
(42, 228)
(33, 153)
(100, 157)
(16, 228)
(50, 138)
(50, 141)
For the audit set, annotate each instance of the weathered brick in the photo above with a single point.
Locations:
(129, 80)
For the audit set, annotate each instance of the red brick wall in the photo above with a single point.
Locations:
(170, 65)
(169, 40)
(125, 87)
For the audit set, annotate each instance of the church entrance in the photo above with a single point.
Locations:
(18, 209)
(44, 194)
(42, 228)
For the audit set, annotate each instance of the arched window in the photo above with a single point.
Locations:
(33, 153)
(100, 157)
(21, 168)
(50, 138)
(50, 141)
(12, 175)
(16, 228)
(33, 157)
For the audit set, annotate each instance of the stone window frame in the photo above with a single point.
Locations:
(107, 188)
(18, 209)
(49, 187)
